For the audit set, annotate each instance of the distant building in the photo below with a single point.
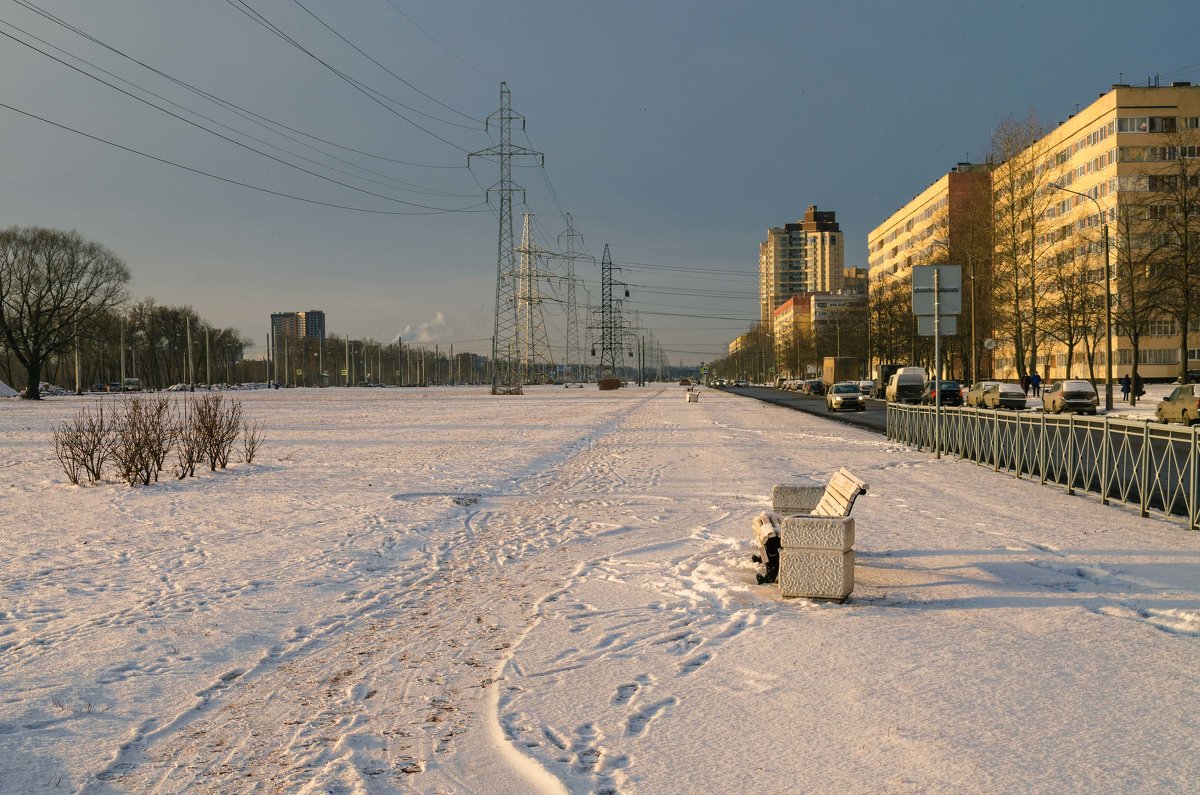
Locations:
(855, 281)
(298, 325)
(802, 257)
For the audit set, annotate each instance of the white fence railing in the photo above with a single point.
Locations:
(1146, 464)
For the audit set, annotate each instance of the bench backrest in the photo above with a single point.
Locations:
(840, 493)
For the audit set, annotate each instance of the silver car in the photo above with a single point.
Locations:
(1075, 396)
(1182, 405)
(845, 396)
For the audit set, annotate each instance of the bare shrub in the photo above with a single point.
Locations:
(66, 447)
(189, 447)
(84, 444)
(134, 452)
(163, 431)
(218, 421)
(252, 439)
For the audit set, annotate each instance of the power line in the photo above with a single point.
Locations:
(212, 97)
(438, 43)
(369, 93)
(433, 211)
(389, 71)
(390, 181)
(199, 126)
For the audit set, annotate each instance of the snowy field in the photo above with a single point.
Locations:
(440, 591)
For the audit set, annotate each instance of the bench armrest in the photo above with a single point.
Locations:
(817, 532)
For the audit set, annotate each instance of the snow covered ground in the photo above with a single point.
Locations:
(443, 591)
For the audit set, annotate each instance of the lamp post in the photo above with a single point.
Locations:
(1108, 371)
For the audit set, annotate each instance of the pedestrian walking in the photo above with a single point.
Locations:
(1125, 388)
(1035, 382)
(1025, 385)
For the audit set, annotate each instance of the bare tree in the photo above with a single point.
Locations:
(52, 283)
(1020, 198)
(1173, 221)
(1137, 271)
(1074, 304)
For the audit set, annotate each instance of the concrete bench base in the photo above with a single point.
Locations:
(816, 573)
(693, 397)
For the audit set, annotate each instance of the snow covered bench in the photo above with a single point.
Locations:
(809, 550)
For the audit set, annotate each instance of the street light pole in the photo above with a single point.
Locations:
(1108, 371)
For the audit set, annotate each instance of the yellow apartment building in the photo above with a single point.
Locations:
(1113, 160)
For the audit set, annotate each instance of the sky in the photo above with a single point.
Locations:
(676, 133)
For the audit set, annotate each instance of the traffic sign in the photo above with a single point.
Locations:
(949, 278)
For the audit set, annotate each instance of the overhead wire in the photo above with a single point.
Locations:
(240, 184)
(218, 134)
(370, 93)
(245, 112)
(390, 181)
(389, 71)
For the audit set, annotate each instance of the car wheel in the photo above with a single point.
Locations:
(1183, 418)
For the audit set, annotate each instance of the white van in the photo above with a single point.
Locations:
(906, 385)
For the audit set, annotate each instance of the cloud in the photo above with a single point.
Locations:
(435, 330)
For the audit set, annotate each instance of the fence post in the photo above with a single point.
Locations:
(1018, 447)
(1194, 492)
(1042, 450)
(1071, 454)
(995, 440)
(1105, 448)
(1143, 492)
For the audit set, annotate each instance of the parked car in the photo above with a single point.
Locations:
(1182, 405)
(1004, 396)
(1074, 396)
(1192, 377)
(974, 396)
(950, 390)
(845, 395)
(866, 387)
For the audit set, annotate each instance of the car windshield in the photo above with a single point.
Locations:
(1077, 386)
(845, 389)
(1010, 389)
(949, 385)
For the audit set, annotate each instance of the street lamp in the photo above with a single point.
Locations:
(1108, 372)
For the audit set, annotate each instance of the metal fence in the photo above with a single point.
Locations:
(1146, 464)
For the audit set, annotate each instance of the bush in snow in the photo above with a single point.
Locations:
(146, 432)
(251, 440)
(85, 443)
(218, 422)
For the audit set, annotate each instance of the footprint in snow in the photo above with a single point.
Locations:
(639, 720)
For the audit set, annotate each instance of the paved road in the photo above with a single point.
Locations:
(874, 418)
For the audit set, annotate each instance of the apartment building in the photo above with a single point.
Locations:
(802, 257)
(932, 227)
(1113, 160)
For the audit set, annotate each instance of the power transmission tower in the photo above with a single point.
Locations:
(611, 326)
(531, 340)
(506, 371)
(574, 350)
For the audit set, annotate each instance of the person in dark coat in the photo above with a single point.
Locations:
(1035, 382)
(1125, 388)
(1025, 384)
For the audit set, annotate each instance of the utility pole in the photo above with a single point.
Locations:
(610, 325)
(533, 343)
(573, 358)
(207, 360)
(505, 376)
(191, 386)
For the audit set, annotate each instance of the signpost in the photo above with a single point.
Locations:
(937, 303)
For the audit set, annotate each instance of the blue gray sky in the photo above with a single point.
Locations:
(674, 132)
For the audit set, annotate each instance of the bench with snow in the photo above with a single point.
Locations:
(807, 540)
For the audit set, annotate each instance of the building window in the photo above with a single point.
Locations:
(1162, 327)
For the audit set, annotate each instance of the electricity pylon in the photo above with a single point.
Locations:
(611, 326)
(506, 370)
(573, 358)
(531, 340)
